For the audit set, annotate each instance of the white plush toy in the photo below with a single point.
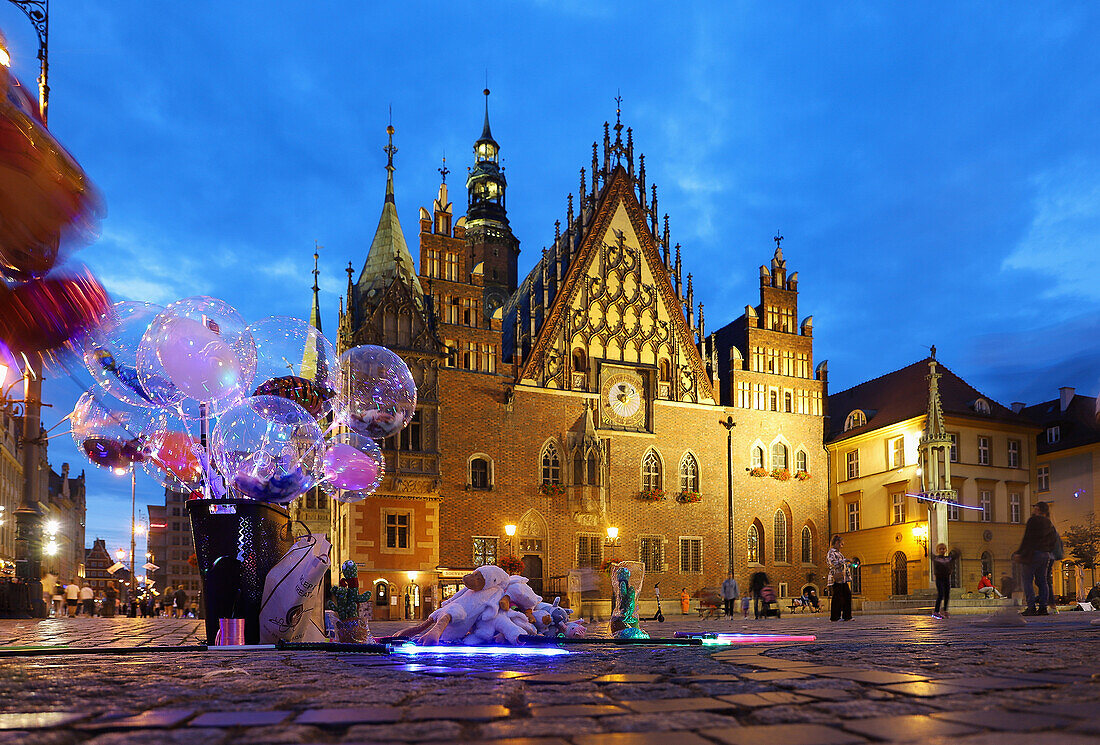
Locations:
(479, 601)
(514, 618)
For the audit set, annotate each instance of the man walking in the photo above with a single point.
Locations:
(87, 599)
(181, 602)
(72, 598)
(730, 593)
(1035, 554)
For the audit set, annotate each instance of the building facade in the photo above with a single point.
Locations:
(170, 545)
(918, 457)
(63, 521)
(1067, 475)
(97, 560)
(586, 397)
(11, 490)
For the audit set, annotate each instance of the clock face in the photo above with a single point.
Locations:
(623, 402)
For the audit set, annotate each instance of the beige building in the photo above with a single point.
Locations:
(1067, 474)
(884, 449)
(11, 490)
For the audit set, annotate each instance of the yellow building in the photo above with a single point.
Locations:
(1066, 475)
(922, 431)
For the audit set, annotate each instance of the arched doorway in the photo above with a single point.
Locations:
(412, 601)
(899, 583)
(533, 540)
(381, 600)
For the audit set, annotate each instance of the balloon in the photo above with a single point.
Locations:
(173, 457)
(202, 345)
(109, 437)
(354, 465)
(294, 360)
(110, 354)
(382, 392)
(268, 448)
(44, 314)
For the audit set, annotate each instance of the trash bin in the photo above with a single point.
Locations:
(237, 542)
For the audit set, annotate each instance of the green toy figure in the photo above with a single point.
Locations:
(624, 622)
(350, 628)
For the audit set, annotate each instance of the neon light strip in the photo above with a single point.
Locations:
(926, 498)
(467, 650)
(755, 639)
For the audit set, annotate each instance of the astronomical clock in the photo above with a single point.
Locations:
(623, 398)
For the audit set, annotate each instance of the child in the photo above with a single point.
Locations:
(746, 601)
(942, 565)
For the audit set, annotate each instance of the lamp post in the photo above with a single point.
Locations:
(132, 595)
(38, 11)
(510, 530)
(729, 424)
(920, 534)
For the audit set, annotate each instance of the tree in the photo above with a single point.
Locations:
(1082, 542)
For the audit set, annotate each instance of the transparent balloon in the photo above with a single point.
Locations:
(203, 346)
(108, 432)
(354, 467)
(173, 454)
(110, 355)
(381, 392)
(268, 448)
(294, 360)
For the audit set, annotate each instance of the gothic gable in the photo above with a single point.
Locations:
(617, 304)
(397, 320)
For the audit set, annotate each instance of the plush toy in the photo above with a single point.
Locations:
(551, 619)
(479, 600)
(576, 629)
(345, 601)
(506, 626)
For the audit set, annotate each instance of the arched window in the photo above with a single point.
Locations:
(753, 543)
(758, 457)
(593, 468)
(779, 455)
(578, 467)
(807, 545)
(788, 402)
(780, 537)
(981, 406)
(580, 361)
(663, 373)
(987, 563)
(480, 473)
(689, 473)
(857, 576)
(551, 465)
(651, 471)
(775, 400)
(855, 419)
(801, 462)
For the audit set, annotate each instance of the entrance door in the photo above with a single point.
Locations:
(900, 583)
(412, 602)
(381, 601)
(532, 570)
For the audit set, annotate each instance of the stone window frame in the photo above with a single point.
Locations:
(686, 478)
(549, 446)
(383, 525)
(691, 541)
(491, 472)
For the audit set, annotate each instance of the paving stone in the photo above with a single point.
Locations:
(627, 678)
(461, 713)
(875, 677)
(668, 720)
(925, 689)
(1075, 709)
(988, 683)
(522, 741)
(577, 710)
(716, 678)
(39, 720)
(828, 694)
(545, 726)
(765, 698)
(775, 675)
(152, 719)
(641, 738)
(1004, 720)
(675, 704)
(278, 735)
(784, 734)
(500, 674)
(348, 716)
(404, 732)
(906, 728)
(185, 736)
(558, 678)
(1016, 738)
(239, 718)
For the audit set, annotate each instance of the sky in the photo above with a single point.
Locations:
(934, 167)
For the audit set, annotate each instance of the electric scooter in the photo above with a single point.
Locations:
(659, 617)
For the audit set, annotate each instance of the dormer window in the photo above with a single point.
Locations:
(981, 406)
(1054, 434)
(855, 419)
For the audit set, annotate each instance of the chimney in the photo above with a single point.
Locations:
(1017, 407)
(1065, 396)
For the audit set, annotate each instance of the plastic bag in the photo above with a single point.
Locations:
(292, 607)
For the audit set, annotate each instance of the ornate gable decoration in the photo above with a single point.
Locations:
(398, 320)
(617, 303)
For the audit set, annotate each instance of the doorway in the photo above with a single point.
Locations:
(532, 570)
(900, 575)
(412, 602)
(382, 600)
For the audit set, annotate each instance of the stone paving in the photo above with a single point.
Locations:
(965, 681)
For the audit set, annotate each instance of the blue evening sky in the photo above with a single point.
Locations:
(935, 167)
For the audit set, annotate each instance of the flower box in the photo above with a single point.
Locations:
(802, 475)
(688, 497)
(781, 474)
(758, 472)
(551, 490)
(651, 495)
(511, 564)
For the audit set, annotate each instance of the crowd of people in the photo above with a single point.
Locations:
(77, 599)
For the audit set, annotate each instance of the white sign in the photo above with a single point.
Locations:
(115, 567)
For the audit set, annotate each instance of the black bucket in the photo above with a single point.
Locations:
(237, 542)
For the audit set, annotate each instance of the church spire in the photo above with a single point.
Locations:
(390, 151)
(486, 133)
(934, 427)
(315, 312)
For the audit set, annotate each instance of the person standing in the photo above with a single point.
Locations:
(1057, 553)
(730, 593)
(685, 602)
(1035, 555)
(166, 600)
(181, 602)
(757, 582)
(840, 577)
(942, 564)
(110, 600)
(87, 598)
(72, 599)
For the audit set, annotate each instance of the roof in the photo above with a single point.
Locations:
(1078, 424)
(903, 394)
(389, 258)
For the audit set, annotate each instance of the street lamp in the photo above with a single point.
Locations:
(729, 424)
(920, 535)
(133, 530)
(38, 11)
(510, 530)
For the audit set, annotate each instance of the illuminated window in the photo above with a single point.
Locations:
(1044, 478)
(589, 551)
(807, 545)
(753, 544)
(551, 465)
(651, 552)
(801, 461)
(898, 503)
(779, 455)
(485, 550)
(855, 419)
(689, 473)
(780, 539)
(651, 471)
(897, 452)
(758, 457)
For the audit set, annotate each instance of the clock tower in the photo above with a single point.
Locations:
(489, 239)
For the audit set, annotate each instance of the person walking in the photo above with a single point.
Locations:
(1035, 554)
(730, 593)
(181, 602)
(1057, 553)
(942, 564)
(166, 599)
(87, 599)
(72, 599)
(757, 583)
(110, 600)
(840, 577)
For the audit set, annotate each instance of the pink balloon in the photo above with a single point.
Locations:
(199, 361)
(349, 468)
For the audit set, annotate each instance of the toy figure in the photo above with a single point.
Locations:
(624, 622)
(350, 628)
(551, 619)
(479, 600)
(576, 629)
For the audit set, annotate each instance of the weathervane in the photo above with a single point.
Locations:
(778, 239)
(444, 170)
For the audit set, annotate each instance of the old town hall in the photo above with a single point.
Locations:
(583, 414)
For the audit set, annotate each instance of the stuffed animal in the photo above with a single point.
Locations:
(506, 626)
(523, 597)
(479, 600)
(576, 629)
(551, 619)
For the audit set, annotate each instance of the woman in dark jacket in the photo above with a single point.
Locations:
(1035, 554)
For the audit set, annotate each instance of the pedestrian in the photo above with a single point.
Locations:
(1057, 554)
(181, 602)
(757, 583)
(1035, 554)
(840, 575)
(72, 599)
(745, 602)
(110, 600)
(685, 602)
(166, 600)
(986, 588)
(942, 564)
(730, 593)
(87, 597)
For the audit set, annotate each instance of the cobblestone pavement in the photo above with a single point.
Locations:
(876, 678)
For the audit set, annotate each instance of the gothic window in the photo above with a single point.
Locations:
(580, 361)
(788, 402)
(480, 473)
(758, 457)
(774, 400)
(663, 371)
(551, 465)
(578, 467)
(855, 419)
(780, 537)
(651, 471)
(801, 461)
(593, 468)
(779, 455)
(586, 467)
(689, 473)
(807, 545)
(411, 436)
(753, 544)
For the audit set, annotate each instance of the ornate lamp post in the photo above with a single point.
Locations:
(38, 11)
(729, 424)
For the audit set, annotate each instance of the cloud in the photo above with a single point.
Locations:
(1063, 240)
(134, 266)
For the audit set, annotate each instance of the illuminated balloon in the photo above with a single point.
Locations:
(268, 448)
(108, 436)
(44, 314)
(110, 354)
(354, 466)
(381, 391)
(294, 360)
(204, 347)
(173, 455)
